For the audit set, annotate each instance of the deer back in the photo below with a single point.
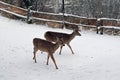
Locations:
(46, 46)
(52, 36)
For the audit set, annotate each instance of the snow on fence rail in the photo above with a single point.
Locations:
(55, 20)
(110, 24)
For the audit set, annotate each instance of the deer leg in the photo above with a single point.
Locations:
(52, 57)
(34, 53)
(70, 48)
(47, 59)
(60, 50)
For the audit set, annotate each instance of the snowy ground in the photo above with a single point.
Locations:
(97, 57)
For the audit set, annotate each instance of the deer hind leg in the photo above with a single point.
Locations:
(60, 50)
(53, 59)
(47, 59)
(34, 53)
(70, 48)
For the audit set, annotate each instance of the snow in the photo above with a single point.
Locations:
(97, 57)
(112, 27)
(107, 19)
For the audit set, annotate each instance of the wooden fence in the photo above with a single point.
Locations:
(55, 20)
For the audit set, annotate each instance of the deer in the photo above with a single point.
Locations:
(46, 46)
(67, 38)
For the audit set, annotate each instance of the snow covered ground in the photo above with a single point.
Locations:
(97, 57)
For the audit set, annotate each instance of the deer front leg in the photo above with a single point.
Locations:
(52, 57)
(70, 48)
(60, 50)
(47, 59)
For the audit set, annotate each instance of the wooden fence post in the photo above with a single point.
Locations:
(29, 14)
(63, 11)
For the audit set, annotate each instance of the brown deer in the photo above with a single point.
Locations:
(67, 38)
(46, 46)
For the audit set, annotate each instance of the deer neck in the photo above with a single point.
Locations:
(72, 35)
